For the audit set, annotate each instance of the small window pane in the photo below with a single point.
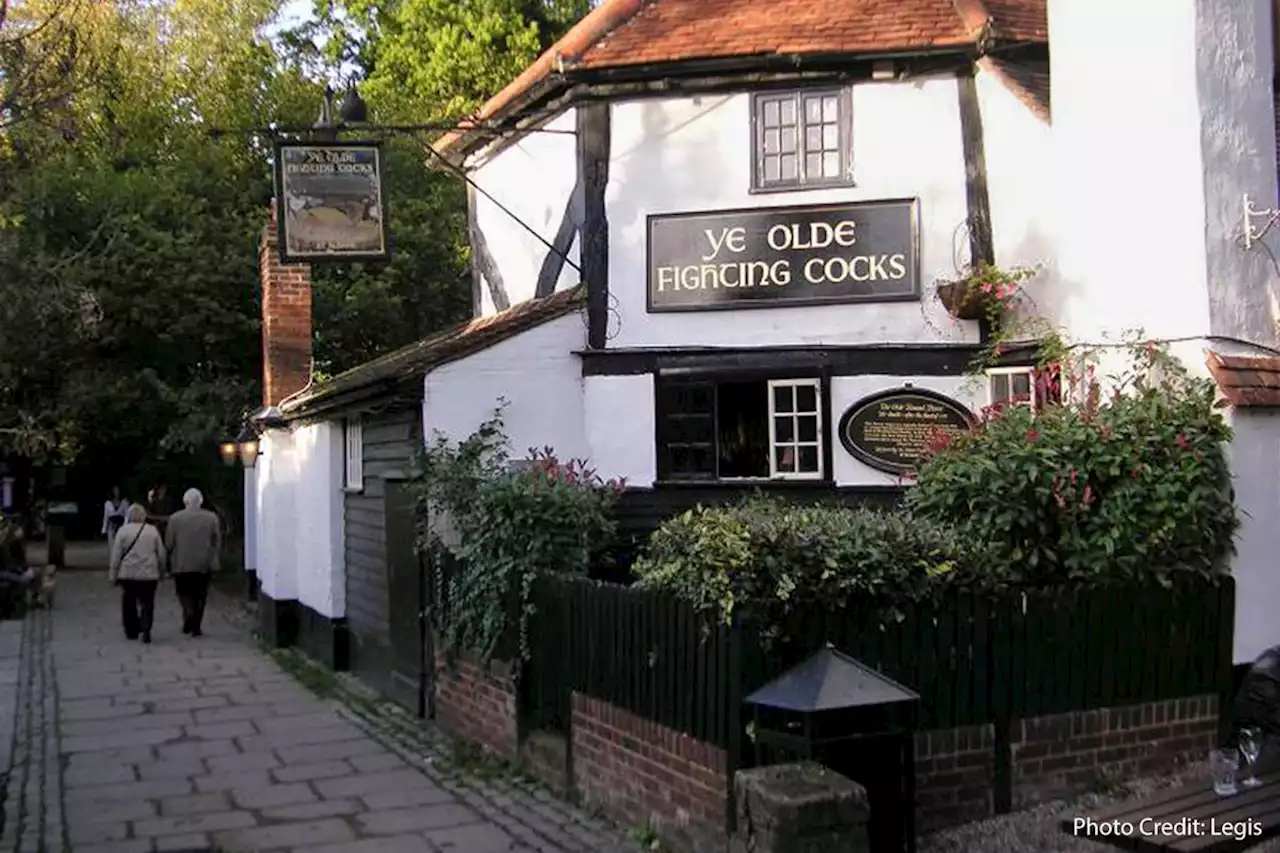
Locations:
(806, 398)
(789, 111)
(830, 137)
(784, 429)
(809, 459)
(830, 109)
(1000, 388)
(1021, 383)
(782, 399)
(789, 167)
(788, 140)
(771, 142)
(808, 429)
(772, 169)
(813, 165)
(813, 138)
(831, 165)
(770, 113)
(813, 110)
(785, 459)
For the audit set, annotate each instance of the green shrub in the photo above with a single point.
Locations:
(764, 558)
(1130, 488)
(510, 522)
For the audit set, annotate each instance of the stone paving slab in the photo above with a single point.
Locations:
(111, 746)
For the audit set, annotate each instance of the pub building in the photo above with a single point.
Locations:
(707, 240)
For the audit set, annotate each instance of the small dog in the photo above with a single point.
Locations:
(48, 586)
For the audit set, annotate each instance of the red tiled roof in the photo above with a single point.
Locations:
(1246, 380)
(1027, 80)
(621, 33)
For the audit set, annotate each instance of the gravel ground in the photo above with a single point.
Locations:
(1038, 830)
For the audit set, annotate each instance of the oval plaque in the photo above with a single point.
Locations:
(891, 430)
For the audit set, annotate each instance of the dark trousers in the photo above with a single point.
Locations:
(137, 606)
(193, 591)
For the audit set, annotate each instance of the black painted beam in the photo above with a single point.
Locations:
(553, 263)
(594, 133)
(483, 266)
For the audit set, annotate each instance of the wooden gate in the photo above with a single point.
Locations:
(406, 589)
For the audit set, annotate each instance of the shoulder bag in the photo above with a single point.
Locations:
(141, 530)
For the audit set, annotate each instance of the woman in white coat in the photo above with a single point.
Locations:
(113, 514)
(137, 563)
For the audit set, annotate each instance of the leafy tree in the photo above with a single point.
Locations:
(433, 60)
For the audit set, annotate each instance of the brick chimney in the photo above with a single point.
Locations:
(286, 320)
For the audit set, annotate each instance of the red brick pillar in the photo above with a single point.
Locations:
(286, 320)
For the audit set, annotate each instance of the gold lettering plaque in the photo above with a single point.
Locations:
(892, 431)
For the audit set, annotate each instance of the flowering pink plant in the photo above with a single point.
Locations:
(984, 291)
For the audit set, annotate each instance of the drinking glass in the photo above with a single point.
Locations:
(1250, 742)
(1225, 764)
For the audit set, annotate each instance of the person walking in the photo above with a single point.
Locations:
(113, 514)
(194, 539)
(159, 507)
(137, 564)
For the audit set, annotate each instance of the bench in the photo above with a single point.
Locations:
(1188, 819)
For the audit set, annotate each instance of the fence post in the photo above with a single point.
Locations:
(733, 699)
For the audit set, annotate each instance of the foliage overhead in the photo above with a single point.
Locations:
(432, 60)
(132, 197)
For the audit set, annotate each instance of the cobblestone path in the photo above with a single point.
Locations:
(194, 744)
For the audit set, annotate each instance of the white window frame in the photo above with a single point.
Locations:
(353, 455)
(1032, 403)
(796, 443)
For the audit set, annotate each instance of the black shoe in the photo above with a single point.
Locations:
(131, 636)
(196, 632)
(146, 638)
(186, 629)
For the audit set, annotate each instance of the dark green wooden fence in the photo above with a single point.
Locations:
(973, 658)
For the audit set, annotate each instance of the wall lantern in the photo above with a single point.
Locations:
(244, 448)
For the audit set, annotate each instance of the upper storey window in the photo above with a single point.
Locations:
(801, 139)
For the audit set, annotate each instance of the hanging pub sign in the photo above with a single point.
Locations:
(892, 430)
(330, 204)
(780, 256)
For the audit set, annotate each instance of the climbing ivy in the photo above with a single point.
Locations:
(491, 524)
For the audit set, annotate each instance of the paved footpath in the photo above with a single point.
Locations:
(196, 744)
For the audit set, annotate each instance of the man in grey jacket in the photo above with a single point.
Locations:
(193, 538)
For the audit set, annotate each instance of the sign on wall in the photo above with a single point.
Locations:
(330, 204)
(891, 431)
(780, 256)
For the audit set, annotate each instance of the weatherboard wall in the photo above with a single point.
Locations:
(390, 442)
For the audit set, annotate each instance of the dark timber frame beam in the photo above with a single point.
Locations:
(483, 267)
(981, 243)
(594, 132)
(553, 263)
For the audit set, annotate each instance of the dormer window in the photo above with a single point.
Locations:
(802, 139)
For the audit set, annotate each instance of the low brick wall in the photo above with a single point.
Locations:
(955, 776)
(1056, 756)
(641, 773)
(1064, 754)
(478, 703)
